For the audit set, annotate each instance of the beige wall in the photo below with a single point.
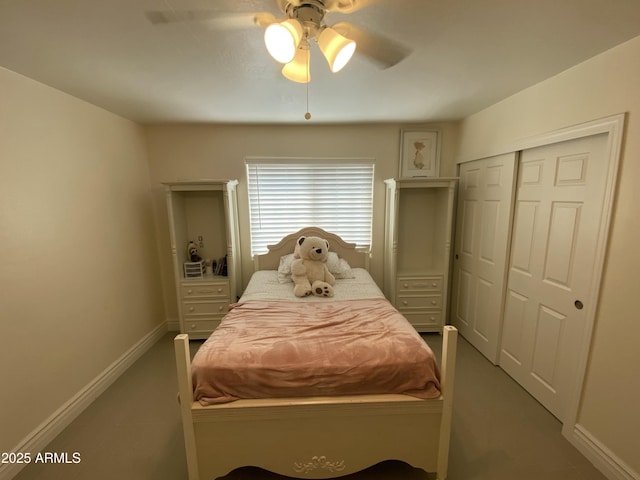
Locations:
(209, 151)
(602, 86)
(78, 255)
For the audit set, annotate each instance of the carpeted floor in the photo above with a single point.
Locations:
(133, 431)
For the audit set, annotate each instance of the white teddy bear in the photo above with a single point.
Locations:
(309, 272)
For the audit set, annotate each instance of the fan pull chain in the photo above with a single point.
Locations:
(307, 115)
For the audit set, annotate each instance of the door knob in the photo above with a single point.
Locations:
(578, 304)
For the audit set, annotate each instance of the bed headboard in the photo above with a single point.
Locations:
(271, 260)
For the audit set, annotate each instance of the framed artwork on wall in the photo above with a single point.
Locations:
(419, 153)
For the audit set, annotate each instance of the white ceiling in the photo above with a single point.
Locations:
(466, 55)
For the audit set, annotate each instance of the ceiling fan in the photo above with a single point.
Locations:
(288, 38)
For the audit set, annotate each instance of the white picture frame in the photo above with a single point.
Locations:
(419, 153)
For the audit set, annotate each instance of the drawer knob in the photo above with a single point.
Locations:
(405, 285)
(189, 291)
(191, 309)
(193, 326)
(219, 290)
(434, 284)
(433, 302)
(220, 308)
(404, 302)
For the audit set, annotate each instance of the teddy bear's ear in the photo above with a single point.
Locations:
(327, 242)
(300, 240)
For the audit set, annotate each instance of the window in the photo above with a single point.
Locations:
(286, 195)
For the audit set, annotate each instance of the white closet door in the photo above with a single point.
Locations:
(485, 199)
(558, 212)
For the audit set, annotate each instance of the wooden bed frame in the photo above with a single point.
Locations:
(316, 437)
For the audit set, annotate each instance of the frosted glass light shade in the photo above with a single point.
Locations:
(298, 69)
(282, 39)
(336, 48)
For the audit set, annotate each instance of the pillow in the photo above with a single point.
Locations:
(284, 269)
(339, 267)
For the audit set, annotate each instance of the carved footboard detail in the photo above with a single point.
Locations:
(318, 462)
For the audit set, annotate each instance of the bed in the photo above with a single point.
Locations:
(332, 432)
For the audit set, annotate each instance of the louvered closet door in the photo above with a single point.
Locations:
(558, 210)
(485, 197)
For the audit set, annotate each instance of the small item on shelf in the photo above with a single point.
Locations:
(223, 270)
(192, 252)
(221, 267)
(194, 269)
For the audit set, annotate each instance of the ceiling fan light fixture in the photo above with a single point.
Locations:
(336, 48)
(282, 39)
(297, 70)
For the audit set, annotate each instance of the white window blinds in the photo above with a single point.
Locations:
(286, 195)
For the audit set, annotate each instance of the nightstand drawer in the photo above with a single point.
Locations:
(196, 290)
(425, 321)
(205, 308)
(422, 302)
(201, 326)
(422, 284)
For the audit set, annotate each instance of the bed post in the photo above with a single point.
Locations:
(185, 388)
(449, 344)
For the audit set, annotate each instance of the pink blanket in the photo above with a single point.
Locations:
(269, 349)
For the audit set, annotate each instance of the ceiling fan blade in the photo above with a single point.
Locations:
(213, 18)
(174, 16)
(241, 20)
(347, 6)
(382, 50)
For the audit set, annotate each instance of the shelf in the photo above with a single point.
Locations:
(419, 272)
(418, 222)
(206, 278)
(203, 212)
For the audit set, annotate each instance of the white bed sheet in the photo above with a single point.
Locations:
(264, 285)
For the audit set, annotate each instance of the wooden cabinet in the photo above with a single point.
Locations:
(418, 228)
(204, 212)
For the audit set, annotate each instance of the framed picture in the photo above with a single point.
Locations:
(419, 153)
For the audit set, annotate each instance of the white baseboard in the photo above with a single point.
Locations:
(604, 459)
(173, 325)
(42, 435)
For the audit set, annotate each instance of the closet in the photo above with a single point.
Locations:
(418, 230)
(483, 222)
(204, 212)
(531, 231)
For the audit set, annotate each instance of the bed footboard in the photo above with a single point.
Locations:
(318, 437)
